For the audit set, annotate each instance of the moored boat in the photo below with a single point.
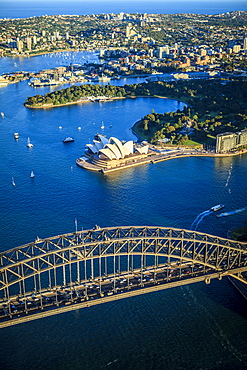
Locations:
(68, 139)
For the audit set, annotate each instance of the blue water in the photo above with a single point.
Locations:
(24, 9)
(155, 331)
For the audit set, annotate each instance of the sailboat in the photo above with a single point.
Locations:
(29, 145)
(13, 181)
(32, 174)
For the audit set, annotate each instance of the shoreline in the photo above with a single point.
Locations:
(70, 103)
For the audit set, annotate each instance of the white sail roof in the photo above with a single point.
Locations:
(108, 153)
(128, 147)
(117, 142)
(114, 150)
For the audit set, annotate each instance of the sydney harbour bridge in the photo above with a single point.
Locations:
(89, 267)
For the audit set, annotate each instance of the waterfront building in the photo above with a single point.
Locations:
(109, 154)
(229, 141)
(109, 149)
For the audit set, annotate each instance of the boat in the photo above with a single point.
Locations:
(217, 208)
(68, 139)
(13, 181)
(16, 135)
(2, 114)
(224, 214)
(32, 174)
(102, 126)
(29, 145)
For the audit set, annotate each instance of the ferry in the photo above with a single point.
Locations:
(68, 139)
(217, 208)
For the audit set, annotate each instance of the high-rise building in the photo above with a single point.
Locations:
(130, 31)
(19, 44)
(245, 43)
(56, 35)
(228, 141)
(29, 43)
(163, 51)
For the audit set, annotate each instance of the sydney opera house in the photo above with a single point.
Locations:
(104, 153)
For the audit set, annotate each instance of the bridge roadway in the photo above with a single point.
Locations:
(90, 267)
(97, 291)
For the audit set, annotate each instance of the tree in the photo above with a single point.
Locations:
(145, 124)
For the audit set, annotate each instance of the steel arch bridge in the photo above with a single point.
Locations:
(70, 271)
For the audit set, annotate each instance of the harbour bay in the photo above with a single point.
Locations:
(150, 330)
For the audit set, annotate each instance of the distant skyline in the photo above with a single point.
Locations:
(31, 8)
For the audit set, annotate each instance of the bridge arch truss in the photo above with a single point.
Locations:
(72, 258)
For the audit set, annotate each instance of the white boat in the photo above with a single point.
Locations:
(16, 135)
(2, 114)
(217, 208)
(102, 126)
(79, 128)
(13, 181)
(32, 174)
(29, 145)
(68, 139)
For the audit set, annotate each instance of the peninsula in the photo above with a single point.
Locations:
(107, 155)
(214, 106)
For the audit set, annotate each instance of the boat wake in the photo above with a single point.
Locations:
(224, 214)
(199, 219)
(229, 176)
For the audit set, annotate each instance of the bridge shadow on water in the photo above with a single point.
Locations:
(230, 297)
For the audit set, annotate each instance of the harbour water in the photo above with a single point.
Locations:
(197, 327)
